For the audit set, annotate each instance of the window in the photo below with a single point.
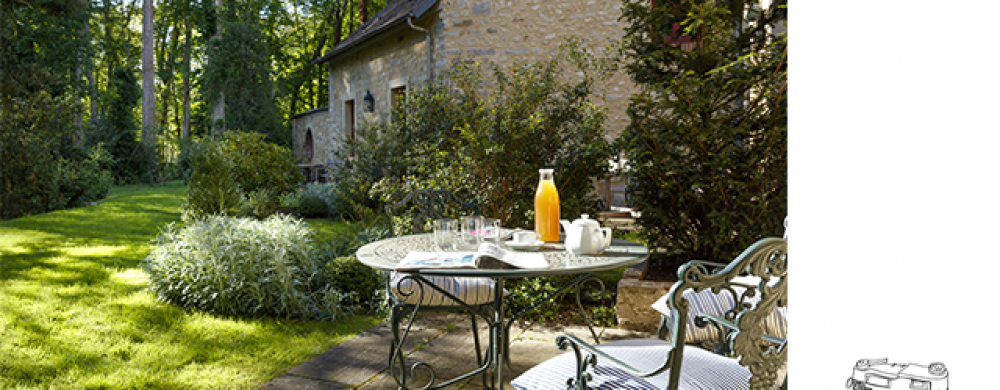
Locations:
(397, 95)
(349, 119)
(307, 145)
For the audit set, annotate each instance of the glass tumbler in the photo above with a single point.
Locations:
(490, 231)
(445, 233)
(469, 233)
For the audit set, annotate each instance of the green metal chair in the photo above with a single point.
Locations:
(407, 295)
(746, 356)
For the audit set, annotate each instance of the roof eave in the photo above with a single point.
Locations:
(376, 34)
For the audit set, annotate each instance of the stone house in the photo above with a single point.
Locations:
(410, 41)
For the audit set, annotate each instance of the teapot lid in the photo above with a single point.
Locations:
(585, 221)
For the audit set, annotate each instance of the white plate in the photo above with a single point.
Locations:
(531, 247)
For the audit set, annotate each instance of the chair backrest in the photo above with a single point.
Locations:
(427, 204)
(766, 262)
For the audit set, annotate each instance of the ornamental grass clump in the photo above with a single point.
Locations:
(243, 267)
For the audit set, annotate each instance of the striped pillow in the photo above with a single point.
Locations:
(706, 301)
(700, 370)
(472, 291)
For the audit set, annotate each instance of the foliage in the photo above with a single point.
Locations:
(243, 267)
(239, 167)
(489, 145)
(131, 160)
(260, 165)
(312, 206)
(327, 192)
(81, 178)
(212, 189)
(259, 204)
(77, 313)
(707, 140)
(238, 68)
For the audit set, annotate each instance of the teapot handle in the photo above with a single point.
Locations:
(606, 233)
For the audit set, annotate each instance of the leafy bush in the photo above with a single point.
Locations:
(327, 192)
(707, 140)
(311, 206)
(212, 188)
(260, 204)
(81, 179)
(238, 173)
(489, 145)
(261, 165)
(348, 274)
(243, 267)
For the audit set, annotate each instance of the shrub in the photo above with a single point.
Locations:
(327, 192)
(707, 139)
(261, 165)
(489, 146)
(81, 179)
(361, 281)
(243, 267)
(311, 206)
(212, 188)
(260, 204)
(238, 173)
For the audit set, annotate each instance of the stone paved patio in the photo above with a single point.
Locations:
(443, 340)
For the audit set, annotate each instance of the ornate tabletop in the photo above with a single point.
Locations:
(385, 254)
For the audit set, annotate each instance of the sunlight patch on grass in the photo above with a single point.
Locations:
(75, 311)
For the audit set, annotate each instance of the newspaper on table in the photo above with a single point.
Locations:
(489, 256)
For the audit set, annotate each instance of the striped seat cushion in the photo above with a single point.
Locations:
(709, 302)
(472, 291)
(700, 370)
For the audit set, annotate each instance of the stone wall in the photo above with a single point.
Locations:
(318, 120)
(505, 31)
(398, 59)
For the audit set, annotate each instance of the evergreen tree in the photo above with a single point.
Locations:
(239, 67)
(707, 139)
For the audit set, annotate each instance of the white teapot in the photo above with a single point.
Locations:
(585, 236)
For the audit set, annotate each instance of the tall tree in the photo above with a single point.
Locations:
(707, 138)
(186, 124)
(148, 74)
(218, 102)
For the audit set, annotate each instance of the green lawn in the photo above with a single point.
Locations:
(75, 311)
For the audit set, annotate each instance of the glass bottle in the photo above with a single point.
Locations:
(547, 207)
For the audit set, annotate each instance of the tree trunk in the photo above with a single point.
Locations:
(186, 125)
(148, 82)
(219, 108)
(363, 11)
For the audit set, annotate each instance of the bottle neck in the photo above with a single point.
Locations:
(546, 176)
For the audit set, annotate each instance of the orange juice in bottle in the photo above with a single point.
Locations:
(547, 207)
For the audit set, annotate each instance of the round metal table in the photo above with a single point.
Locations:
(385, 254)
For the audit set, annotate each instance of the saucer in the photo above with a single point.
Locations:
(531, 247)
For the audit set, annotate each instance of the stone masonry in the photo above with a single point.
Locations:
(501, 31)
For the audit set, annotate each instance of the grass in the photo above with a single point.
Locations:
(75, 311)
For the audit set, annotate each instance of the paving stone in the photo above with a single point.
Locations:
(289, 382)
(357, 360)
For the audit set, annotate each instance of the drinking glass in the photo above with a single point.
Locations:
(490, 231)
(445, 232)
(469, 233)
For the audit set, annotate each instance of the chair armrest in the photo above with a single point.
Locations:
(705, 319)
(580, 347)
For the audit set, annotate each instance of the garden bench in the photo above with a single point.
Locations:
(737, 310)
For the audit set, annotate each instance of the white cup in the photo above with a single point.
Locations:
(526, 237)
